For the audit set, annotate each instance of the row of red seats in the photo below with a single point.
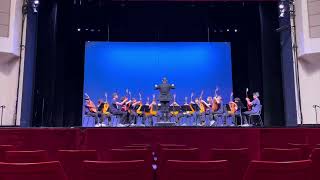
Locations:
(71, 161)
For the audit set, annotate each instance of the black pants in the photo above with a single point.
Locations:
(121, 114)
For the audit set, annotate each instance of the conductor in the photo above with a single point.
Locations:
(165, 97)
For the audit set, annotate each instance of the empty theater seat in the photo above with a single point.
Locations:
(3, 149)
(291, 170)
(26, 156)
(114, 170)
(276, 154)
(238, 160)
(32, 171)
(197, 170)
(71, 161)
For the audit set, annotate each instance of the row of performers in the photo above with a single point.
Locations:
(129, 109)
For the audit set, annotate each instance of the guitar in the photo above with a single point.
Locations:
(249, 106)
(215, 104)
(233, 106)
(147, 104)
(153, 104)
(174, 104)
(190, 104)
(201, 105)
(139, 112)
(106, 105)
(126, 105)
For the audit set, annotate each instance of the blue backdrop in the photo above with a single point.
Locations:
(191, 66)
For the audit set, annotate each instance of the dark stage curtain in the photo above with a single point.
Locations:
(53, 102)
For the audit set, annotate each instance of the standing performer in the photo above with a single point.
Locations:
(164, 97)
(255, 104)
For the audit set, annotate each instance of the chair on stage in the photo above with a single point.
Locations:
(26, 156)
(71, 161)
(315, 157)
(276, 154)
(117, 170)
(238, 160)
(258, 114)
(32, 171)
(291, 170)
(3, 149)
(197, 170)
(306, 149)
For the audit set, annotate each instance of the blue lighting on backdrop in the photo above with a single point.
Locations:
(191, 66)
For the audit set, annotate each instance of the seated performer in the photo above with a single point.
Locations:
(175, 110)
(92, 111)
(133, 111)
(256, 106)
(241, 106)
(115, 108)
(218, 111)
(199, 112)
(208, 110)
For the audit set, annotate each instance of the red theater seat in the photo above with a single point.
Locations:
(191, 154)
(134, 154)
(71, 161)
(315, 157)
(3, 149)
(32, 171)
(137, 147)
(168, 146)
(275, 154)
(114, 170)
(291, 170)
(306, 149)
(131, 154)
(197, 170)
(26, 156)
(238, 160)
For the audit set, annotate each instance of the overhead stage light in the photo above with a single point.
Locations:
(35, 5)
(282, 9)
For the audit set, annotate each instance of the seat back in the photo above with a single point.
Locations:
(3, 149)
(137, 147)
(134, 154)
(276, 154)
(315, 157)
(71, 161)
(131, 154)
(291, 170)
(197, 170)
(169, 146)
(306, 149)
(238, 160)
(191, 154)
(33, 171)
(118, 170)
(26, 156)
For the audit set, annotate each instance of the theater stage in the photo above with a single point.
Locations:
(101, 139)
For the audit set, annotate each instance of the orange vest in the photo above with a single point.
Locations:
(92, 108)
